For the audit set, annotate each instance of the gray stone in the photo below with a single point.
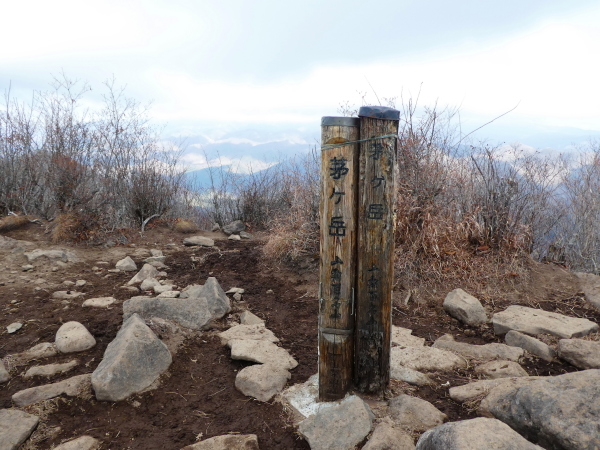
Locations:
(153, 259)
(50, 369)
(226, 442)
(245, 235)
(386, 437)
(582, 354)
(191, 313)
(15, 427)
(41, 350)
(14, 327)
(4, 375)
(470, 391)
(414, 413)
(234, 237)
(560, 412)
(72, 387)
(149, 284)
(148, 271)
(198, 240)
(80, 283)
(403, 337)
(261, 381)
(73, 337)
(126, 265)
(234, 227)
(160, 288)
(131, 362)
(537, 321)
(340, 427)
(590, 285)
(67, 295)
(465, 307)
(247, 318)
(501, 369)
(81, 443)
(426, 359)
(53, 255)
(235, 290)
(99, 302)
(484, 352)
(474, 434)
(155, 252)
(218, 301)
(410, 376)
(168, 294)
(27, 267)
(247, 332)
(530, 344)
(158, 265)
(260, 351)
(215, 227)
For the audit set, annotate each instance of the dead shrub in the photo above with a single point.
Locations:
(66, 228)
(13, 222)
(185, 226)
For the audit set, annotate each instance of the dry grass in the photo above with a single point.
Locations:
(65, 228)
(185, 226)
(13, 222)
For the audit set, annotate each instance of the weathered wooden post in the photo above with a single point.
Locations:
(339, 190)
(375, 247)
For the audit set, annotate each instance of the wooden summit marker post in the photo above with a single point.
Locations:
(375, 269)
(339, 190)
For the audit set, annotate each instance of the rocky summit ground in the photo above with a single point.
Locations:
(196, 397)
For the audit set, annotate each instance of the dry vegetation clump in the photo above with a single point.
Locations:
(185, 226)
(13, 222)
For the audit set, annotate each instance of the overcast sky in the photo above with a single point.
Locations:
(251, 72)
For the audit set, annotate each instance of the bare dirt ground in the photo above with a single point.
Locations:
(197, 398)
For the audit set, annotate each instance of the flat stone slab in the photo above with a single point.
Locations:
(464, 307)
(81, 443)
(261, 351)
(582, 354)
(536, 321)
(501, 369)
(403, 337)
(193, 313)
(15, 427)
(71, 386)
(484, 352)
(259, 332)
(476, 389)
(530, 344)
(427, 359)
(39, 351)
(226, 442)
(99, 302)
(199, 241)
(261, 381)
(414, 414)
(50, 369)
(410, 376)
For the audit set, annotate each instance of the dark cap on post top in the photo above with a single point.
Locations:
(379, 112)
(329, 121)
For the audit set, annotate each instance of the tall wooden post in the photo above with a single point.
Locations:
(339, 174)
(375, 248)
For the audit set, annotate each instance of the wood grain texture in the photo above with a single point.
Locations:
(339, 190)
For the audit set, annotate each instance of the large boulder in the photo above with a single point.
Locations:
(560, 412)
(131, 362)
(126, 265)
(218, 301)
(580, 353)
(189, 313)
(15, 427)
(464, 307)
(474, 434)
(234, 227)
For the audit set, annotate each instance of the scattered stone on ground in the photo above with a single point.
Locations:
(14, 327)
(80, 283)
(227, 442)
(160, 288)
(126, 265)
(149, 284)
(147, 271)
(474, 434)
(156, 252)
(72, 387)
(581, 353)
(340, 427)
(234, 237)
(39, 351)
(247, 318)
(235, 290)
(4, 375)
(470, 391)
(200, 241)
(386, 437)
(530, 344)
(73, 337)
(234, 227)
(247, 332)
(99, 302)
(131, 362)
(556, 412)
(410, 376)
(67, 295)
(261, 381)
(403, 337)
(153, 259)
(414, 414)
(168, 294)
(537, 321)
(245, 235)
(590, 285)
(426, 359)
(501, 369)
(81, 443)
(53, 255)
(261, 351)
(15, 427)
(465, 308)
(50, 369)
(484, 352)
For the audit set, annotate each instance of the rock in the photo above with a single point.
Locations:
(234, 237)
(261, 381)
(158, 265)
(147, 271)
(582, 354)
(245, 235)
(149, 284)
(404, 338)
(260, 351)
(410, 376)
(199, 240)
(556, 412)
(484, 352)
(386, 437)
(4, 375)
(247, 332)
(50, 369)
(537, 321)
(80, 283)
(218, 301)
(156, 252)
(531, 344)
(191, 313)
(340, 427)
(53, 255)
(131, 362)
(39, 351)
(215, 227)
(73, 337)
(67, 295)
(247, 318)
(426, 359)
(474, 434)
(27, 267)
(81, 443)
(590, 285)
(168, 294)
(154, 259)
(15, 427)
(237, 297)
(234, 227)
(99, 302)
(72, 387)
(470, 391)
(160, 288)
(464, 307)
(226, 442)
(501, 369)
(414, 414)
(235, 290)
(68, 283)
(126, 265)
(14, 327)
